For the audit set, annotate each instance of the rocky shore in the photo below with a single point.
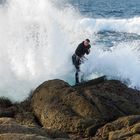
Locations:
(99, 109)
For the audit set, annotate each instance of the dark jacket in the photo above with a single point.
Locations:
(82, 50)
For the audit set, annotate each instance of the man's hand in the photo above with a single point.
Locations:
(88, 51)
(83, 58)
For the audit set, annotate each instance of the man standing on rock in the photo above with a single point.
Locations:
(78, 57)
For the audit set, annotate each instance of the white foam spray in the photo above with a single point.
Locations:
(121, 62)
(37, 40)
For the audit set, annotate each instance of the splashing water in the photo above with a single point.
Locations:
(37, 40)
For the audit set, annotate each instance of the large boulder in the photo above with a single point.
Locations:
(84, 108)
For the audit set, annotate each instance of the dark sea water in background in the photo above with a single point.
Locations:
(108, 8)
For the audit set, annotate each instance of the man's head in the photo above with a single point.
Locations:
(86, 42)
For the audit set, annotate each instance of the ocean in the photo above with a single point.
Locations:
(108, 8)
(38, 38)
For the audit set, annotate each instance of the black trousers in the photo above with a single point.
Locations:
(76, 62)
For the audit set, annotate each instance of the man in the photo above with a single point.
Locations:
(77, 58)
